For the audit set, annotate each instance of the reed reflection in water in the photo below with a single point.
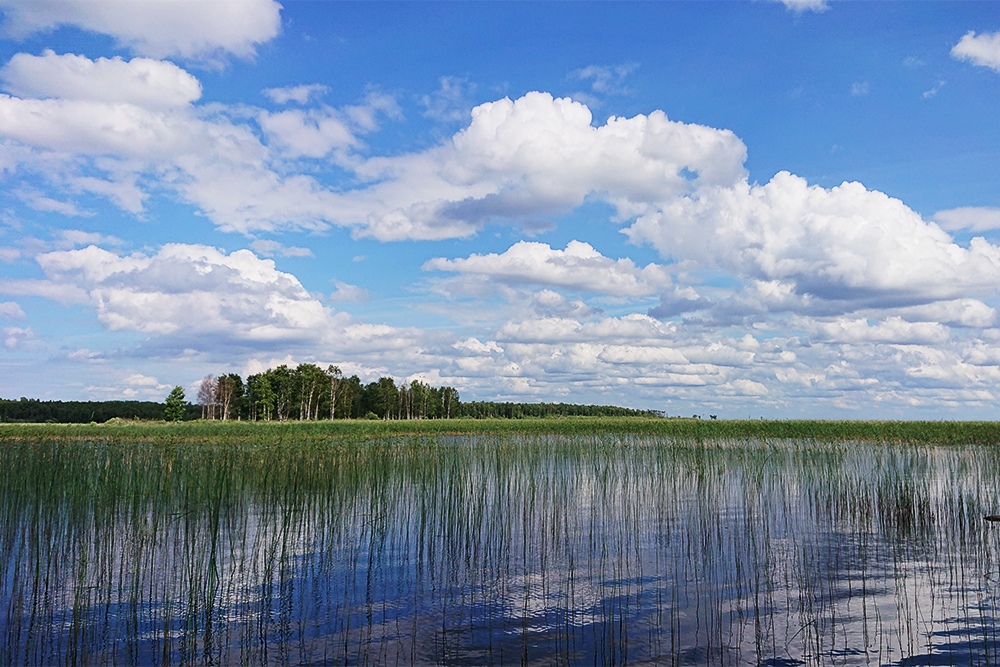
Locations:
(500, 550)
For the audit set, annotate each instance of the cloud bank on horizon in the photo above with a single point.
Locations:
(165, 218)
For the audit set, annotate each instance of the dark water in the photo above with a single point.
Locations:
(501, 551)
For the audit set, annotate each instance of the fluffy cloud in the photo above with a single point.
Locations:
(193, 298)
(680, 300)
(612, 330)
(10, 310)
(958, 313)
(844, 243)
(130, 386)
(215, 164)
(579, 267)
(982, 50)
(189, 290)
(549, 304)
(522, 159)
(140, 81)
(878, 298)
(307, 133)
(745, 387)
(315, 133)
(347, 293)
(157, 28)
(518, 160)
(970, 218)
(238, 306)
(14, 337)
(893, 330)
(138, 380)
(120, 130)
(476, 346)
(213, 160)
(534, 157)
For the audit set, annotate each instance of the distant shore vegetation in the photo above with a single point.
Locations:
(304, 393)
(624, 430)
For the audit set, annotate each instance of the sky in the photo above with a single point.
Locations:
(747, 209)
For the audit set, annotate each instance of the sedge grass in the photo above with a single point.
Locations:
(201, 431)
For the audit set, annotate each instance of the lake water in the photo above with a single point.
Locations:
(501, 550)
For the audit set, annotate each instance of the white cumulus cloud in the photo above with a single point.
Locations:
(579, 267)
(982, 50)
(959, 313)
(189, 289)
(533, 157)
(893, 330)
(841, 243)
(307, 133)
(11, 310)
(548, 303)
(140, 81)
(156, 28)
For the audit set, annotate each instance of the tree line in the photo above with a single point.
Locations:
(84, 412)
(309, 392)
(305, 392)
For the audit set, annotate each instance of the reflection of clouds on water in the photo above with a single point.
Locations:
(574, 551)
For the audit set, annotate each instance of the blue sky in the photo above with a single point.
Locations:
(780, 209)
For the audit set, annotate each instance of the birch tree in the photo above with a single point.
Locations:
(336, 377)
(206, 397)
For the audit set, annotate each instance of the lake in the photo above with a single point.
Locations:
(541, 550)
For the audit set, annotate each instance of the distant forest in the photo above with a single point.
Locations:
(306, 392)
(83, 412)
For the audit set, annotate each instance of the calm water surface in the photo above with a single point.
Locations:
(500, 550)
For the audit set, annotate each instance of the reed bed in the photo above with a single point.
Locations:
(201, 431)
(496, 548)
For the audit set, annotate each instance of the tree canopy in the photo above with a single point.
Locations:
(306, 392)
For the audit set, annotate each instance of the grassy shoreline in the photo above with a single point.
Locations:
(941, 432)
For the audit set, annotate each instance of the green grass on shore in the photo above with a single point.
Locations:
(943, 432)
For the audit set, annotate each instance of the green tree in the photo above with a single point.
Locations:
(229, 395)
(336, 377)
(419, 393)
(385, 397)
(450, 401)
(309, 383)
(174, 411)
(352, 395)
